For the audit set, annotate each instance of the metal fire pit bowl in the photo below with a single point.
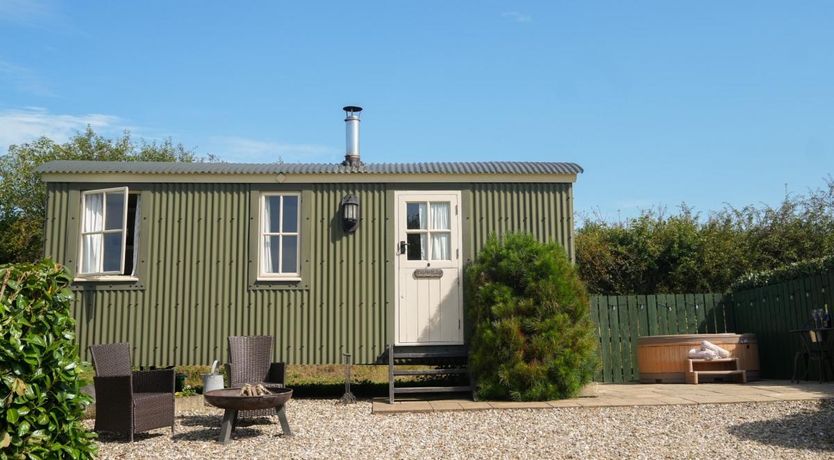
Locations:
(230, 398)
(231, 401)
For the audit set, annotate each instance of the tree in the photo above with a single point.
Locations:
(532, 336)
(23, 194)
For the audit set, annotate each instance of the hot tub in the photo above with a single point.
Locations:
(663, 358)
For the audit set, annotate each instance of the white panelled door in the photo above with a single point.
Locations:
(429, 297)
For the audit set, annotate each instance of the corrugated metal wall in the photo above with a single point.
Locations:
(543, 210)
(196, 288)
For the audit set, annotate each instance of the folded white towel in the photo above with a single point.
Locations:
(707, 345)
(696, 353)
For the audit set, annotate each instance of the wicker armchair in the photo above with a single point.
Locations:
(130, 402)
(250, 361)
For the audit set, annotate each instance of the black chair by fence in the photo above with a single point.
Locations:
(815, 348)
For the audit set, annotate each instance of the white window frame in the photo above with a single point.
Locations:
(81, 233)
(263, 234)
(430, 229)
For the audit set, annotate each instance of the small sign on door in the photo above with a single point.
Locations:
(423, 273)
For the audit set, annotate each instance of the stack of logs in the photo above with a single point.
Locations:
(254, 390)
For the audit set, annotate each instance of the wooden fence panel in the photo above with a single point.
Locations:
(710, 313)
(724, 317)
(605, 338)
(616, 343)
(642, 316)
(625, 337)
(598, 329)
(652, 314)
(634, 323)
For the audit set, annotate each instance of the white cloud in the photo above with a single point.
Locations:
(233, 148)
(21, 125)
(517, 16)
(23, 79)
(18, 126)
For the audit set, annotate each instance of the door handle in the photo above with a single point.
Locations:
(402, 247)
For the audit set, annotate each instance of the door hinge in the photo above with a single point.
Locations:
(456, 209)
(457, 253)
(458, 324)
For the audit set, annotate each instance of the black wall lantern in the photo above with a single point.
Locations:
(350, 213)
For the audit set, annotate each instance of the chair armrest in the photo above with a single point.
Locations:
(113, 392)
(156, 381)
(277, 373)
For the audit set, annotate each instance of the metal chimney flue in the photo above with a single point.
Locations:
(352, 136)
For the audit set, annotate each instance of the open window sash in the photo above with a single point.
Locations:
(103, 231)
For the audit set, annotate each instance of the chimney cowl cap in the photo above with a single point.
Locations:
(352, 108)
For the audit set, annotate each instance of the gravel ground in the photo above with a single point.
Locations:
(324, 429)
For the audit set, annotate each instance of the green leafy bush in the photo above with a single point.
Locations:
(41, 405)
(533, 338)
(784, 273)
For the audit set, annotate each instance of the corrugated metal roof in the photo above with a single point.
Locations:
(148, 167)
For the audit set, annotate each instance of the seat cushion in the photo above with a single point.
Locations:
(152, 410)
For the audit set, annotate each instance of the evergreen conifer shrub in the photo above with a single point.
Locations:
(41, 405)
(532, 336)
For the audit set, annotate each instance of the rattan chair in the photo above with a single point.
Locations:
(130, 401)
(250, 361)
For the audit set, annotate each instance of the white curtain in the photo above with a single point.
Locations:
(440, 216)
(94, 212)
(268, 266)
(423, 242)
(440, 241)
(93, 222)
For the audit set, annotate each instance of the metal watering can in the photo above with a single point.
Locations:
(212, 380)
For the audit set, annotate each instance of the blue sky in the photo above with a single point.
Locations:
(661, 102)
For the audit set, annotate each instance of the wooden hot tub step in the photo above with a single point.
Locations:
(694, 377)
(714, 368)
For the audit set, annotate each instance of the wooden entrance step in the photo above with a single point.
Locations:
(441, 389)
(722, 367)
(426, 355)
(456, 370)
(450, 363)
(423, 352)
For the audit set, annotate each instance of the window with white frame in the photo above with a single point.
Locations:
(109, 232)
(279, 236)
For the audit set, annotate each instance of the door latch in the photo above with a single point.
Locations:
(402, 247)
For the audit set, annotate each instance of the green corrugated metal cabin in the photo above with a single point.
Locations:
(175, 257)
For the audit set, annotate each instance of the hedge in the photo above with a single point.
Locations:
(785, 273)
(41, 405)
